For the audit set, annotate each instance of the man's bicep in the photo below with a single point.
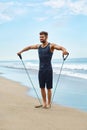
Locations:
(57, 47)
(34, 46)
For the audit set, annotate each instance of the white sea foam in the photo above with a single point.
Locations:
(74, 70)
(72, 66)
(76, 66)
(30, 65)
(69, 69)
(73, 74)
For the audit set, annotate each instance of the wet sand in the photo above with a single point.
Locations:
(17, 111)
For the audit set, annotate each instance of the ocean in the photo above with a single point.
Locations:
(71, 89)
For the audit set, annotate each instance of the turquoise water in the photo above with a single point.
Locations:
(72, 87)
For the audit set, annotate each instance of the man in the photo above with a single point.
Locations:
(45, 75)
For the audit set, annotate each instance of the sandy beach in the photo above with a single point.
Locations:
(17, 112)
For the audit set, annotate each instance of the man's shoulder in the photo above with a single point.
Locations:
(51, 44)
(38, 45)
(52, 47)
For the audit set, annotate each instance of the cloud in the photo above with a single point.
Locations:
(32, 4)
(55, 3)
(4, 18)
(78, 7)
(41, 11)
(10, 10)
(73, 7)
(41, 19)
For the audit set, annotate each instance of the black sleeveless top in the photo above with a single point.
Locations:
(45, 56)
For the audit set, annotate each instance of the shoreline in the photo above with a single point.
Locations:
(17, 111)
(65, 89)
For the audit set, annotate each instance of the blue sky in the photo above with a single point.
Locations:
(21, 21)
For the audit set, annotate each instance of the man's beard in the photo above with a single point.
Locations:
(43, 41)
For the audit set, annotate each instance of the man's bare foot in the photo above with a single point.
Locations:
(49, 106)
(44, 106)
(38, 106)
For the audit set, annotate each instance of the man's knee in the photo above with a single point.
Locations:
(49, 90)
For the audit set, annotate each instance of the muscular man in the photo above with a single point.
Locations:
(45, 75)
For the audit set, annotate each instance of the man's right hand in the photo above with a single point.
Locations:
(19, 54)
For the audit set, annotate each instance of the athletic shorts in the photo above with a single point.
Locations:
(46, 78)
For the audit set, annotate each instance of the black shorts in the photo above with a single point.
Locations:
(46, 78)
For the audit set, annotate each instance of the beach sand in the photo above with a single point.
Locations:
(17, 111)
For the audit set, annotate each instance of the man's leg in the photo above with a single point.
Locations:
(49, 97)
(43, 92)
(49, 83)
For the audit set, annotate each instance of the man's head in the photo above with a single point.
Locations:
(43, 36)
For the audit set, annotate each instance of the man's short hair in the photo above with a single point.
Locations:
(44, 33)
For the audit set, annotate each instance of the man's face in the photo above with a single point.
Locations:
(43, 38)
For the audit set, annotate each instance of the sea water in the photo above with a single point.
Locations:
(71, 88)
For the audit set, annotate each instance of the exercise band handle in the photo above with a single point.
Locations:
(65, 57)
(20, 56)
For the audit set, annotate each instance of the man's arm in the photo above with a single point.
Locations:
(28, 48)
(57, 47)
